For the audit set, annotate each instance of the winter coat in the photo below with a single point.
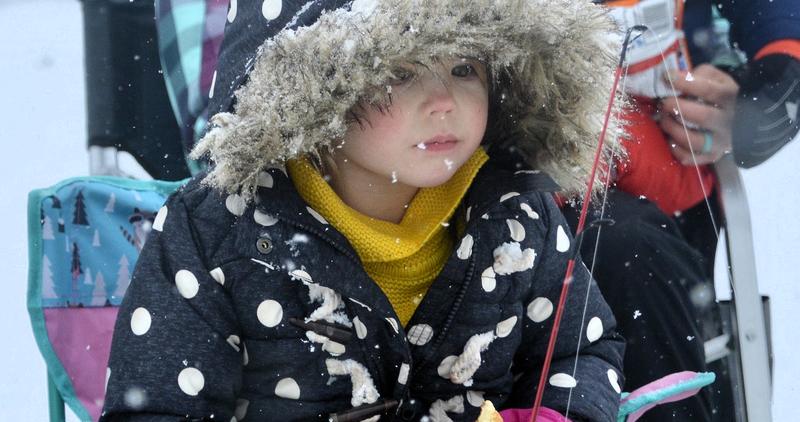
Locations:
(212, 324)
(246, 304)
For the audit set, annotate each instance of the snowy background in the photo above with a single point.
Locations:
(42, 131)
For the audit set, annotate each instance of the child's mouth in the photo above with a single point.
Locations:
(438, 143)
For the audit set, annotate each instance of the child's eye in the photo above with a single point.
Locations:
(401, 76)
(464, 70)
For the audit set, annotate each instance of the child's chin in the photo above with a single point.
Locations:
(433, 181)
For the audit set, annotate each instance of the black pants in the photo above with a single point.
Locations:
(660, 289)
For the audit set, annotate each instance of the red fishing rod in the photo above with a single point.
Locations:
(579, 231)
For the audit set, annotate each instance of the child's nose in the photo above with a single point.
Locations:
(438, 98)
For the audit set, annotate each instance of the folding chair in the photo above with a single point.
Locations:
(84, 236)
(85, 233)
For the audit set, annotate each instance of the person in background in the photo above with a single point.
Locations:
(654, 266)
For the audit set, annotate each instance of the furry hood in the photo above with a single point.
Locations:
(551, 63)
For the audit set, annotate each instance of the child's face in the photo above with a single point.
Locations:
(436, 120)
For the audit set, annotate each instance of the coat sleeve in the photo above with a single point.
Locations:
(596, 373)
(756, 23)
(175, 354)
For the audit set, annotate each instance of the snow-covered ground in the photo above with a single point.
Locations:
(42, 132)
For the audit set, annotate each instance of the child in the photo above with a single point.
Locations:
(363, 247)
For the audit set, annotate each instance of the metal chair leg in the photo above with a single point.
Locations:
(55, 401)
(750, 330)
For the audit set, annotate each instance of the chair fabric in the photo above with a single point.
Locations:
(84, 237)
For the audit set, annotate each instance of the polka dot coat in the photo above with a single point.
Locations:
(261, 312)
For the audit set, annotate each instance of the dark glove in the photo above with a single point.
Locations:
(767, 108)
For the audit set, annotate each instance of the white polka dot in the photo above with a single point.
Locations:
(528, 210)
(158, 222)
(505, 327)
(508, 195)
(316, 215)
(475, 398)
(218, 275)
(613, 379)
(516, 229)
(232, 13)
(446, 365)
(271, 9)
(563, 380)
(465, 250)
(191, 381)
(234, 340)
(245, 356)
(485, 216)
(562, 241)
(402, 377)
(213, 83)
(288, 389)
(393, 323)
(361, 329)
(140, 321)
(469, 210)
(264, 219)
(270, 313)
(420, 334)
(187, 284)
(301, 275)
(488, 279)
(241, 407)
(265, 180)
(235, 204)
(540, 309)
(594, 330)
(334, 348)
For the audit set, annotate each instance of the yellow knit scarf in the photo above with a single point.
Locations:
(403, 258)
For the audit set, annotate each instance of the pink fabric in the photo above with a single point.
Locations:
(660, 383)
(81, 338)
(524, 415)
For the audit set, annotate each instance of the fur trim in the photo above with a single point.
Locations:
(552, 62)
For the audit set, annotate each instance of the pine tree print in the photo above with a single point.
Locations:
(96, 240)
(56, 202)
(112, 199)
(123, 279)
(99, 295)
(48, 288)
(75, 269)
(47, 229)
(87, 278)
(80, 211)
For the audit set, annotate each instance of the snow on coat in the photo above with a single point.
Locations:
(212, 322)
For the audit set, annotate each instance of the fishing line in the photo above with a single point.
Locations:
(697, 170)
